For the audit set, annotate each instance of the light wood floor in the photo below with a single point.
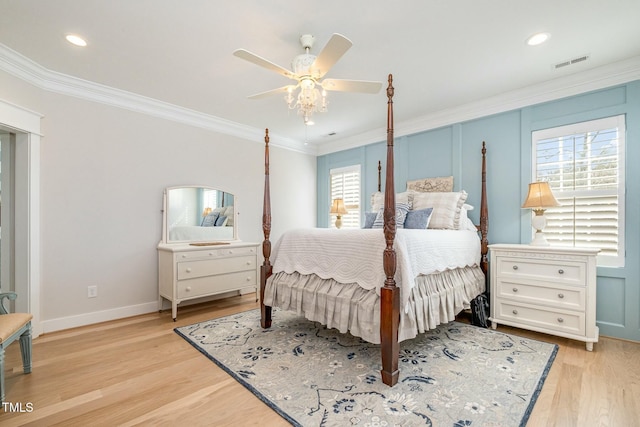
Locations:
(137, 371)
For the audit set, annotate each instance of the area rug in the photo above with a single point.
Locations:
(456, 375)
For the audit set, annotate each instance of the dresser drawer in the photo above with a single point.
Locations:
(567, 298)
(212, 285)
(212, 253)
(541, 317)
(209, 267)
(565, 272)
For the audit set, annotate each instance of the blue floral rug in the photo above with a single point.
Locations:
(456, 375)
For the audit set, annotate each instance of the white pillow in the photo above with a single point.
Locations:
(447, 208)
(228, 212)
(377, 200)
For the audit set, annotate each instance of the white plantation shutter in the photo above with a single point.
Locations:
(584, 165)
(345, 185)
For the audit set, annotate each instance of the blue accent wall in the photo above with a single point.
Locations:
(455, 150)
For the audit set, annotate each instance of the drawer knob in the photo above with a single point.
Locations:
(210, 253)
(184, 255)
(230, 252)
(248, 262)
(515, 289)
(188, 289)
(560, 320)
(561, 271)
(515, 311)
(515, 267)
(248, 278)
(188, 270)
(560, 295)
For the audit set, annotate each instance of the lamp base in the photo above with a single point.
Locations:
(338, 221)
(539, 239)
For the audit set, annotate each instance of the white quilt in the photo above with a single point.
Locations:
(355, 256)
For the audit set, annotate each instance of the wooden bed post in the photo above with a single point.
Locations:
(389, 293)
(484, 220)
(266, 268)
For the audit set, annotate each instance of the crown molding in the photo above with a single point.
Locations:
(25, 69)
(594, 79)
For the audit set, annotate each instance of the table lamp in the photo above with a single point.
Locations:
(539, 198)
(338, 208)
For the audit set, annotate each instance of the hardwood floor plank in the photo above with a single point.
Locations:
(138, 371)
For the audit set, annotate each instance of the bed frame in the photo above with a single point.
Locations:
(389, 293)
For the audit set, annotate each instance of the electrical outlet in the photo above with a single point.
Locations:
(92, 291)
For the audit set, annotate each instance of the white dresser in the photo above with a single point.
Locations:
(188, 271)
(545, 289)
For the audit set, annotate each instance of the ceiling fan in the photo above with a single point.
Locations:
(308, 71)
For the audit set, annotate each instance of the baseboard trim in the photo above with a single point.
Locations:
(85, 319)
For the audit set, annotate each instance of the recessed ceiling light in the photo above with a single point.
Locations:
(538, 38)
(76, 40)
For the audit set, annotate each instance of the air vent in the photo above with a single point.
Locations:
(571, 61)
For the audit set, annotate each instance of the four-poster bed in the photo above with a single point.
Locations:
(413, 292)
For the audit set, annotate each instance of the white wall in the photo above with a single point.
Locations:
(103, 171)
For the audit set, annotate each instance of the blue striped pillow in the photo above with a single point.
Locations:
(401, 213)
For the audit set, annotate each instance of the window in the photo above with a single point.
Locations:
(209, 198)
(345, 185)
(584, 165)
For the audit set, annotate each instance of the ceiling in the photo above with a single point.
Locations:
(444, 55)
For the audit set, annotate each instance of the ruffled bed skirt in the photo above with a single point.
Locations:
(437, 298)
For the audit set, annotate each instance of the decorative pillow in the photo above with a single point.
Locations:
(418, 219)
(464, 218)
(228, 212)
(221, 221)
(430, 185)
(377, 200)
(467, 224)
(401, 214)
(210, 220)
(369, 218)
(446, 208)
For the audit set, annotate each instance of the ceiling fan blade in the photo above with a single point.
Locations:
(329, 55)
(280, 90)
(258, 60)
(361, 86)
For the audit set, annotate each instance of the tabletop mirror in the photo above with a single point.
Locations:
(194, 214)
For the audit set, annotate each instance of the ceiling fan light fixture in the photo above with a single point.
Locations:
(309, 72)
(538, 38)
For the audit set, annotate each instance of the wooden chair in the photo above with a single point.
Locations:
(12, 327)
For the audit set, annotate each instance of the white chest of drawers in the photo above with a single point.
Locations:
(545, 289)
(187, 272)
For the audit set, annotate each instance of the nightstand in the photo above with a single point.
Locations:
(545, 289)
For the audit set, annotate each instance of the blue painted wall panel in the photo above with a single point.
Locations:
(455, 150)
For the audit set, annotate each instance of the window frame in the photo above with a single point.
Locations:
(353, 211)
(618, 122)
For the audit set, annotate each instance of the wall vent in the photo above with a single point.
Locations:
(571, 61)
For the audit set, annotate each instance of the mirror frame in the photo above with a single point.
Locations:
(165, 214)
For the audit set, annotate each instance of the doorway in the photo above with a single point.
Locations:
(20, 208)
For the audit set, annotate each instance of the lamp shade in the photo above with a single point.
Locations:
(540, 196)
(338, 207)
(206, 211)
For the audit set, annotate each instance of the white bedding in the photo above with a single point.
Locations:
(197, 233)
(355, 256)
